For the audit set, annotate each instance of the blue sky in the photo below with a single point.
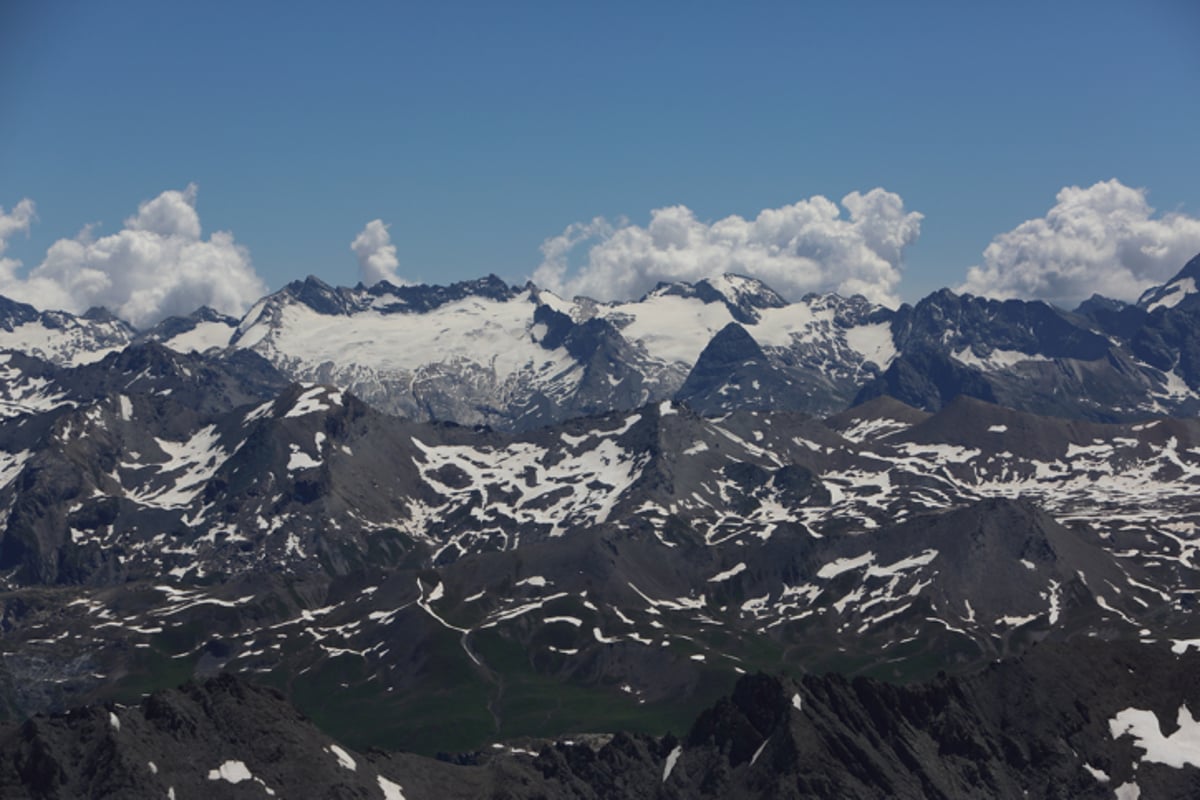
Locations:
(477, 131)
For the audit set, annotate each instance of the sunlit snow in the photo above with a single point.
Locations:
(1180, 748)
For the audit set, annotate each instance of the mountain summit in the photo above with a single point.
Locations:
(483, 352)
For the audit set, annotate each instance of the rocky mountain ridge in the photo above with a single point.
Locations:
(1008, 732)
(166, 528)
(483, 352)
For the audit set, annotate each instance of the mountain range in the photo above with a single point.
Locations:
(519, 358)
(453, 519)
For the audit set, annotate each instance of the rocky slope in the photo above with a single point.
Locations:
(1064, 721)
(637, 560)
(599, 556)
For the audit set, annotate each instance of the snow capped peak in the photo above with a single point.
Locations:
(385, 297)
(318, 295)
(1174, 291)
(59, 336)
(13, 312)
(202, 330)
(746, 297)
(99, 314)
(740, 289)
(733, 285)
(743, 296)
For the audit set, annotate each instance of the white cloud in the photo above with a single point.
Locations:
(376, 255)
(16, 221)
(157, 265)
(809, 246)
(13, 222)
(1103, 239)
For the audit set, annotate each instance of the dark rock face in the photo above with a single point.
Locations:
(1025, 355)
(731, 366)
(1170, 341)
(928, 379)
(1013, 731)
(1113, 316)
(13, 313)
(325, 299)
(221, 738)
(172, 394)
(1046, 725)
(419, 299)
(982, 325)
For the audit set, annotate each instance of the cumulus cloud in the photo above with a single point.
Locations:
(16, 221)
(811, 245)
(376, 255)
(157, 265)
(1102, 239)
(13, 222)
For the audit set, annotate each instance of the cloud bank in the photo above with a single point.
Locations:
(13, 222)
(810, 246)
(376, 255)
(158, 265)
(1103, 239)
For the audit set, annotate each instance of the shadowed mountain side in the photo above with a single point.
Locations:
(1061, 722)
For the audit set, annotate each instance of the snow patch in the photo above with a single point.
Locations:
(231, 772)
(871, 428)
(1178, 290)
(672, 759)
(196, 460)
(1055, 601)
(205, 336)
(1180, 748)
(367, 340)
(391, 791)
(873, 342)
(300, 459)
(1128, 791)
(318, 398)
(344, 759)
(727, 574)
(602, 639)
(997, 360)
(758, 752)
(840, 565)
(903, 565)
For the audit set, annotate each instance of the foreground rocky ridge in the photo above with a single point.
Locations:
(1063, 721)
